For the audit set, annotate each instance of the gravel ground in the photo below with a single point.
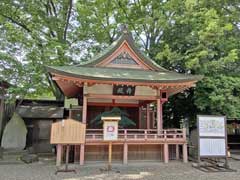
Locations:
(151, 171)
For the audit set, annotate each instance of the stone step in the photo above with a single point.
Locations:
(12, 152)
(47, 157)
(11, 156)
(7, 162)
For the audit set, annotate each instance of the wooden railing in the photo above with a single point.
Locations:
(139, 135)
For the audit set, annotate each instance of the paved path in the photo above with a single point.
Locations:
(148, 171)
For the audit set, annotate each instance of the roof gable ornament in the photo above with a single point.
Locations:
(123, 58)
(125, 43)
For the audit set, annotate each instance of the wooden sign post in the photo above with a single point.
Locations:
(110, 134)
(67, 132)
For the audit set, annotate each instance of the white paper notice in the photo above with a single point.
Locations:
(212, 147)
(110, 130)
(211, 126)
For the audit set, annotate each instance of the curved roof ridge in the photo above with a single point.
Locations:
(126, 35)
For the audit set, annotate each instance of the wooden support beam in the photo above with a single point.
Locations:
(177, 152)
(84, 111)
(110, 156)
(140, 118)
(159, 116)
(185, 153)
(112, 104)
(148, 116)
(82, 150)
(107, 96)
(166, 153)
(84, 120)
(125, 153)
(59, 155)
(159, 112)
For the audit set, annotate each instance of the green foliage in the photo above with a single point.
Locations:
(123, 123)
(219, 94)
(187, 36)
(33, 35)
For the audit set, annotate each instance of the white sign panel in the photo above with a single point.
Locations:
(212, 147)
(213, 126)
(110, 130)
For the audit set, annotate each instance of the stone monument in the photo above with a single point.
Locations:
(14, 134)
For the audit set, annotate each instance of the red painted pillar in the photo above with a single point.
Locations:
(84, 120)
(84, 110)
(82, 150)
(159, 116)
(148, 116)
(125, 153)
(166, 153)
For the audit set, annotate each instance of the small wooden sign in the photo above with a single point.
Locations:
(68, 131)
(123, 90)
(110, 128)
(110, 134)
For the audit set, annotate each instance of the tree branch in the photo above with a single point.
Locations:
(67, 20)
(17, 23)
(131, 23)
(54, 8)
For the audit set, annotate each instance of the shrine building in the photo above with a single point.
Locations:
(125, 78)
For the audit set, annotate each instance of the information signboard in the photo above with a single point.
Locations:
(212, 136)
(68, 131)
(211, 126)
(212, 147)
(110, 128)
(110, 134)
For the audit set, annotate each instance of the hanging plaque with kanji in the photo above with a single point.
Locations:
(123, 90)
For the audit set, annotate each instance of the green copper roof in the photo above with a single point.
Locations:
(116, 74)
(89, 70)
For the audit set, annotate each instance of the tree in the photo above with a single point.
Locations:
(207, 42)
(188, 36)
(34, 35)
